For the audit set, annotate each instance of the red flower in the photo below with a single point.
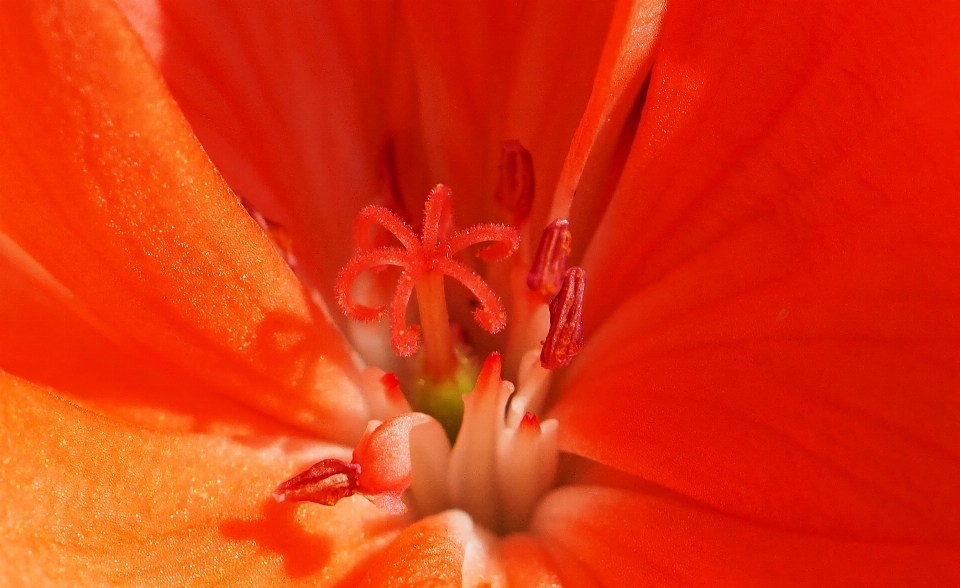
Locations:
(768, 391)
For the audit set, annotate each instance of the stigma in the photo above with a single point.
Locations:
(424, 261)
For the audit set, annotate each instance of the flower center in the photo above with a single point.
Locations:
(446, 372)
(503, 458)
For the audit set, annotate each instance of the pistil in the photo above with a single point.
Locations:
(425, 260)
(439, 356)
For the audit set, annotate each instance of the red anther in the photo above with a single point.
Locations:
(566, 324)
(549, 263)
(326, 482)
(515, 186)
(432, 251)
(530, 423)
(381, 469)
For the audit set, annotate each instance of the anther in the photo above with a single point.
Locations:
(326, 482)
(566, 325)
(515, 186)
(381, 469)
(550, 261)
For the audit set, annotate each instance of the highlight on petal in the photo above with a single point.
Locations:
(428, 553)
(127, 213)
(87, 501)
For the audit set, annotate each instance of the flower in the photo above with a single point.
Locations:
(767, 392)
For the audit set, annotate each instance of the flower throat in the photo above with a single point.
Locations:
(502, 457)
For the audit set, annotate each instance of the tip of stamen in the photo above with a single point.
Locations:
(565, 336)
(391, 385)
(530, 423)
(490, 371)
(550, 261)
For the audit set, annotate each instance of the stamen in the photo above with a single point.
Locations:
(473, 463)
(550, 261)
(326, 482)
(381, 470)
(515, 187)
(527, 459)
(566, 325)
(382, 392)
(529, 425)
(533, 381)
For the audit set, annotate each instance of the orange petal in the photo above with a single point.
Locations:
(494, 71)
(105, 186)
(527, 563)
(772, 317)
(427, 554)
(297, 104)
(50, 340)
(632, 539)
(288, 100)
(89, 502)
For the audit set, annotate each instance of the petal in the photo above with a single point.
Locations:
(427, 554)
(633, 539)
(89, 502)
(609, 119)
(287, 100)
(772, 319)
(527, 563)
(50, 340)
(312, 110)
(494, 71)
(104, 185)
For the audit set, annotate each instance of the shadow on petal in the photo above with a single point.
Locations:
(279, 531)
